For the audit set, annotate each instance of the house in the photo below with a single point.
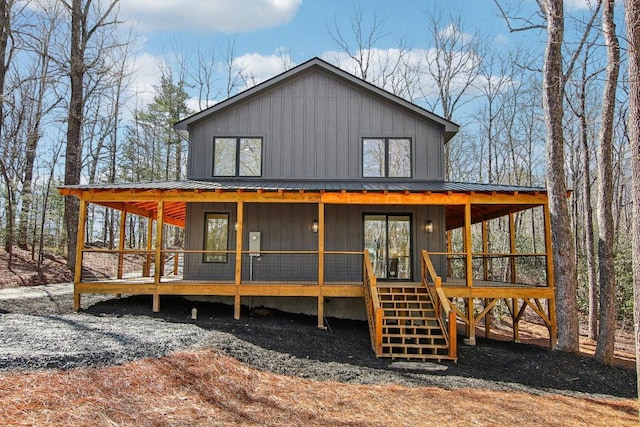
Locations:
(317, 191)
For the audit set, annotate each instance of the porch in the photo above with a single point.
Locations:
(463, 286)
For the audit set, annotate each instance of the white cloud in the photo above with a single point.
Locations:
(207, 16)
(146, 71)
(452, 32)
(257, 68)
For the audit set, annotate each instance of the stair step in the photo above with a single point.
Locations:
(414, 336)
(410, 318)
(410, 327)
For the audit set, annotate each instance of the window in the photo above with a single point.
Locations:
(386, 157)
(216, 236)
(237, 156)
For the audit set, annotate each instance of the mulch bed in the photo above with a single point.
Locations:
(346, 341)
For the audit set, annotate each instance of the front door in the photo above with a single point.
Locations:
(388, 240)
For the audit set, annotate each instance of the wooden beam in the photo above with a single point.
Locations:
(497, 292)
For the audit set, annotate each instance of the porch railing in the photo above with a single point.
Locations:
(372, 302)
(296, 267)
(528, 269)
(445, 314)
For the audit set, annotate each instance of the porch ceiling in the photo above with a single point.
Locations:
(479, 213)
(487, 201)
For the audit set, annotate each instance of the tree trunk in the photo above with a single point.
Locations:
(632, 18)
(73, 153)
(589, 244)
(563, 245)
(607, 276)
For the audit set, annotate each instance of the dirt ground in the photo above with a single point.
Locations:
(43, 332)
(168, 369)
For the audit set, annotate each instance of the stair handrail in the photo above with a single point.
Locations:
(444, 311)
(372, 302)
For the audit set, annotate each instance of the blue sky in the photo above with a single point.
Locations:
(264, 28)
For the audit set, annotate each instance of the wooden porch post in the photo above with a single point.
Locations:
(467, 245)
(147, 267)
(485, 275)
(512, 248)
(77, 274)
(321, 265)
(123, 220)
(471, 326)
(551, 303)
(449, 250)
(158, 263)
(239, 235)
(485, 250)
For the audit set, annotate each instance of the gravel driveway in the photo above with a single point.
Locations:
(38, 329)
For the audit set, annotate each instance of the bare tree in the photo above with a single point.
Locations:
(40, 86)
(87, 20)
(450, 69)
(366, 32)
(632, 20)
(607, 277)
(564, 261)
(555, 75)
(580, 111)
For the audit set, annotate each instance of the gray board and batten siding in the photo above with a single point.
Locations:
(312, 127)
(287, 227)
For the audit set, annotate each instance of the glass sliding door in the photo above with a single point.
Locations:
(388, 240)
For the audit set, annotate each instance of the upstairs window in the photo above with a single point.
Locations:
(237, 157)
(386, 158)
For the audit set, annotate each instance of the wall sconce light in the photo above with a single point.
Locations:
(314, 226)
(428, 227)
(235, 227)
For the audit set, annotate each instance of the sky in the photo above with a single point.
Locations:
(262, 29)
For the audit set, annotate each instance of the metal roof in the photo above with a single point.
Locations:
(315, 185)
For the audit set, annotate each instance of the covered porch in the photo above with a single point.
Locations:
(461, 273)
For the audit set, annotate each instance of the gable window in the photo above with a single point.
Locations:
(216, 237)
(237, 156)
(386, 157)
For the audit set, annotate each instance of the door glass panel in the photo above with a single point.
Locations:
(388, 240)
(399, 238)
(375, 241)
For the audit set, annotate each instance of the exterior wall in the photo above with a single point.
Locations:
(312, 128)
(287, 227)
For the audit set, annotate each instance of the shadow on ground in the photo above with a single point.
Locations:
(347, 341)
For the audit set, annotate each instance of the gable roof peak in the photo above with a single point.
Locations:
(450, 128)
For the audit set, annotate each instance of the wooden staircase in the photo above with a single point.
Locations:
(411, 328)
